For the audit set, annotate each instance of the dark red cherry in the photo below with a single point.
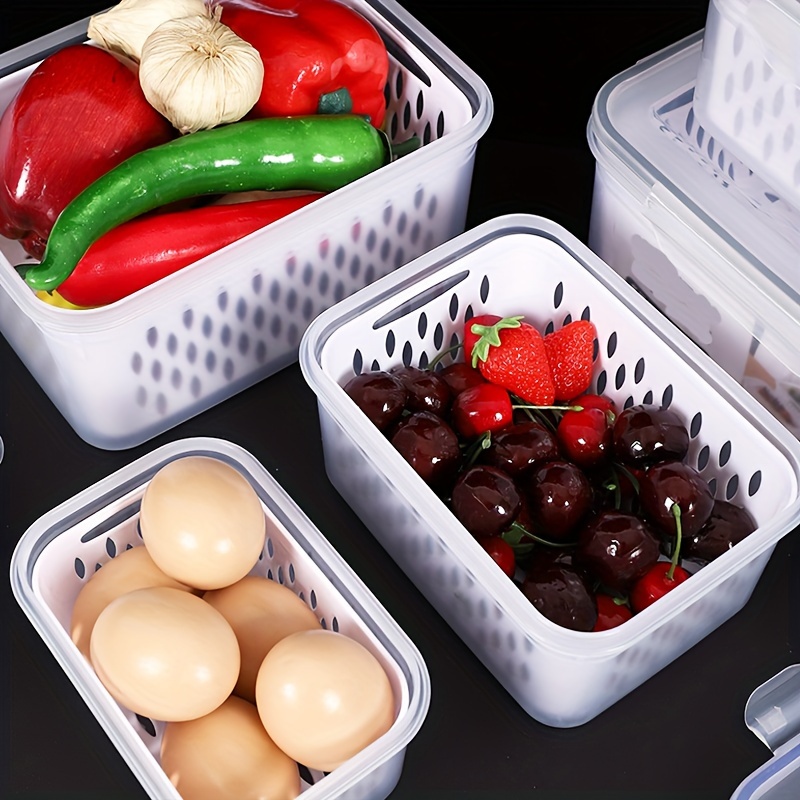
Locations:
(485, 500)
(520, 446)
(560, 592)
(459, 376)
(617, 548)
(647, 434)
(559, 497)
(381, 396)
(672, 482)
(427, 391)
(726, 527)
(430, 446)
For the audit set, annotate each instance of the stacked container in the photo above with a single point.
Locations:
(123, 373)
(697, 204)
(696, 230)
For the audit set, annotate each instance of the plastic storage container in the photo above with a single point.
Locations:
(57, 554)
(748, 87)
(698, 233)
(773, 714)
(527, 265)
(126, 372)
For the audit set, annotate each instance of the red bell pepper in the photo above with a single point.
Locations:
(80, 113)
(312, 50)
(140, 252)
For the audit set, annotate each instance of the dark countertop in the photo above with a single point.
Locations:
(680, 734)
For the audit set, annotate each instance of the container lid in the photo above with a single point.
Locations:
(643, 130)
(773, 714)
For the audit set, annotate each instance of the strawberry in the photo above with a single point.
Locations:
(511, 354)
(570, 352)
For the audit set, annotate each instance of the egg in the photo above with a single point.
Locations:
(131, 569)
(261, 612)
(165, 653)
(227, 754)
(322, 697)
(202, 522)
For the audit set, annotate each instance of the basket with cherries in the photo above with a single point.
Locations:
(592, 510)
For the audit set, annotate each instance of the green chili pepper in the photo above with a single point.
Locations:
(319, 153)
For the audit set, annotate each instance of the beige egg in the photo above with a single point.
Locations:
(131, 569)
(227, 754)
(261, 612)
(165, 654)
(202, 522)
(323, 697)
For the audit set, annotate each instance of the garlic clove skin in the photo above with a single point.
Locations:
(124, 27)
(199, 74)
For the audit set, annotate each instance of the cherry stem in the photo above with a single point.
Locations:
(547, 408)
(676, 512)
(483, 442)
(517, 528)
(454, 349)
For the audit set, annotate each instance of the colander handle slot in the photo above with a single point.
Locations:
(420, 300)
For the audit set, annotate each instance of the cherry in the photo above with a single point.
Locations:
(520, 446)
(611, 612)
(485, 407)
(560, 592)
(427, 391)
(460, 375)
(617, 548)
(502, 553)
(430, 446)
(485, 500)
(663, 576)
(381, 396)
(671, 483)
(645, 434)
(601, 401)
(559, 497)
(726, 527)
(585, 436)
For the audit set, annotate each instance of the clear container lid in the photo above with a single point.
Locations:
(773, 714)
(644, 131)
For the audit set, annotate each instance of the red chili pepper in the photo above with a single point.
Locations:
(313, 50)
(140, 252)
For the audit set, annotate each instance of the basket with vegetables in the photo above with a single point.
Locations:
(178, 165)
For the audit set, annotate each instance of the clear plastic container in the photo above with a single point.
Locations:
(773, 714)
(748, 87)
(706, 240)
(124, 373)
(59, 552)
(527, 265)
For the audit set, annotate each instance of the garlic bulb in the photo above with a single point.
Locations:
(198, 73)
(125, 26)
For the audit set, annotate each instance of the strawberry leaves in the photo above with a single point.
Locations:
(482, 333)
